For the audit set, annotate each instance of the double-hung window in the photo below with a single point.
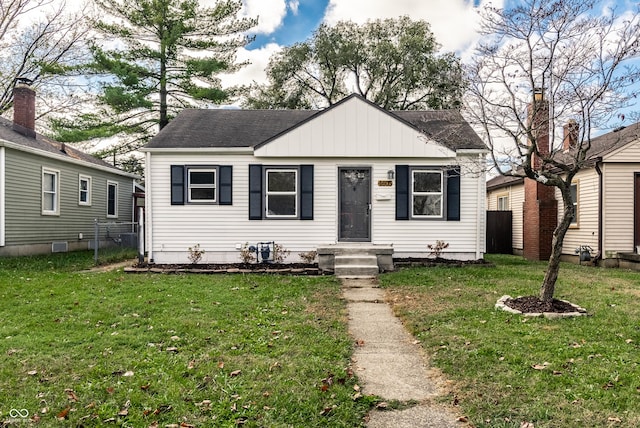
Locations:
(281, 195)
(84, 190)
(427, 193)
(574, 196)
(112, 199)
(50, 192)
(503, 202)
(201, 185)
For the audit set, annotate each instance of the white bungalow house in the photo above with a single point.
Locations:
(352, 175)
(607, 201)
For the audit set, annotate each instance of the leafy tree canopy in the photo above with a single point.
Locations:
(393, 63)
(154, 58)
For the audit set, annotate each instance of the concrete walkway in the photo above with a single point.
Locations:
(388, 362)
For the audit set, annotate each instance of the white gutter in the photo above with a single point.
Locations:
(148, 204)
(3, 197)
(224, 150)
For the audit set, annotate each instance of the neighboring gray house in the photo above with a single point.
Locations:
(351, 176)
(51, 193)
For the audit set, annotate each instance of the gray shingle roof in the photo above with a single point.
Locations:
(47, 145)
(249, 128)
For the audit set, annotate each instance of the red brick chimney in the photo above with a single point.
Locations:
(540, 210)
(24, 109)
(570, 135)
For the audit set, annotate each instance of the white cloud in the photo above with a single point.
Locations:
(258, 58)
(270, 14)
(293, 6)
(453, 22)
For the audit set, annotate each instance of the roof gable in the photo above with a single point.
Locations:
(353, 127)
(442, 131)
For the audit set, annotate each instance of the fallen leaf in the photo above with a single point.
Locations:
(220, 364)
(235, 373)
(527, 425)
(145, 387)
(192, 364)
(324, 387)
(35, 419)
(629, 340)
(464, 419)
(123, 412)
(154, 425)
(32, 372)
(71, 395)
(111, 390)
(360, 342)
(64, 414)
(128, 373)
(556, 373)
(162, 409)
(356, 396)
(109, 421)
(172, 349)
(356, 387)
(186, 425)
(327, 410)
(175, 337)
(540, 366)
(382, 405)
(612, 419)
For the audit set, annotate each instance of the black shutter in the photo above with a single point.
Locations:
(225, 185)
(306, 192)
(177, 184)
(255, 192)
(402, 192)
(453, 194)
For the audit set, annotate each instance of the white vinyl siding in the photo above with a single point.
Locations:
(585, 231)
(618, 208)
(515, 197)
(221, 229)
(50, 192)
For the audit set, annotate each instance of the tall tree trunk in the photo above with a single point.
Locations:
(553, 267)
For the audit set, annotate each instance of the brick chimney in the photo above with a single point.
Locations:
(24, 109)
(540, 210)
(570, 135)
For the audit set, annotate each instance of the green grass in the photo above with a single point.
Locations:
(592, 375)
(139, 350)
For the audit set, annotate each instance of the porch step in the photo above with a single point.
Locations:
(356, 265)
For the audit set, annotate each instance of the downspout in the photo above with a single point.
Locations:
(148, 207)
(600, 208)
(2, 197)
(481, 214)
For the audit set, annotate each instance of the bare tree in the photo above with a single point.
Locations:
(39, 41)
(543, 63)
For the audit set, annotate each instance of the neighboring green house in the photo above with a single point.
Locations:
(51, 194)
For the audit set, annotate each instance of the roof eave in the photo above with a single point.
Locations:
(21, 148)
(221, 150)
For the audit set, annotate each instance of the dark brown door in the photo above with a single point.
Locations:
(354, 220)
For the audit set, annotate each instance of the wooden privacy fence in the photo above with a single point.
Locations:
(499, 232)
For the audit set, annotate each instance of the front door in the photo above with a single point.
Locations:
(354, 220)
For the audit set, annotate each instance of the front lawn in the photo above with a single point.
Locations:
(507, 370)
(88, 349)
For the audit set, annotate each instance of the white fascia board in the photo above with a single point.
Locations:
(21, 148)
(472, 151)
(210, 150)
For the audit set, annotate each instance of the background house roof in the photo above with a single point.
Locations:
(216, 128)
(611, 141)
(503, 181)
(47, 145)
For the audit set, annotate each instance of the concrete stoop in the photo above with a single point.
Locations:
(355, 266)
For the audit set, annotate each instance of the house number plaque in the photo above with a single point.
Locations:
(385, 183)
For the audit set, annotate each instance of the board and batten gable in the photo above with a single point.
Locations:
(25, 225)
(353, 129)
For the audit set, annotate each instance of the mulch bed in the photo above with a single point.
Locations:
(533, 304)
(433, 262)
(275, 268)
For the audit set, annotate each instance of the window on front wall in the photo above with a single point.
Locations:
(50, 192)
(427, 193)
(503, 202)
(574, 197)
(84, 190)
(112, 199)
(201, 185)
(281, 195)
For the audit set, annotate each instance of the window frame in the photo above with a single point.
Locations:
(56, 192)
(295, 193)
(188, 185)
(114, 184)
(442, 193)
(575, 221)
(88, 179)
(502, 197)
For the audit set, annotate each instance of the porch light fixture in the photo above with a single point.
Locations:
(538, 94)
(391, 174)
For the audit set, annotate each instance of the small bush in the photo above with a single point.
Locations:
(437, 248)
(308, 257)
(195, 254)
(247, 256)
(279, 253)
